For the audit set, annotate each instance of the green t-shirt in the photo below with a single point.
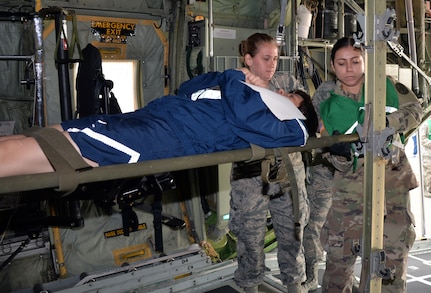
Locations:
(343, 114)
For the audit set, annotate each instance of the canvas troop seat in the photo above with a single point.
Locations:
(94, 92)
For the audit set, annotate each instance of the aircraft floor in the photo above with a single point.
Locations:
(418, 274)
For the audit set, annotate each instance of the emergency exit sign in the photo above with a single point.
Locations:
(112, 32)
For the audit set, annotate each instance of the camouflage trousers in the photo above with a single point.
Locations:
(343, 229)
(250, 203)
(319, 192)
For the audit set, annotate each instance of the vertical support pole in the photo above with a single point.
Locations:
(63, 67)
(211, 36)
(374, 181)
(39, 108)
(341, 24)
(196, 213)
(412, 44)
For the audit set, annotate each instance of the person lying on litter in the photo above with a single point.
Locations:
(197, 120)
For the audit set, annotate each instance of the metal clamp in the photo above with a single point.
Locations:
(356, 248)
(359, 37)
(279, 37)
(384, 27)
(381, 141)
(266, 165)
(378, 259)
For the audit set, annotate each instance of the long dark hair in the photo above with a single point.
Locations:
(343, 43)
(307, 108)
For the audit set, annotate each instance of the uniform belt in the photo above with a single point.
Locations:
(318, 159)
(252, 169)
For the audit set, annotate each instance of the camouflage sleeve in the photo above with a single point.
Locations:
(285, 81)
(321, 94)
(409, 114)
(406, 118)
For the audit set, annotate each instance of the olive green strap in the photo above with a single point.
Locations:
(62, 155)
(257, 153)
(287, 163)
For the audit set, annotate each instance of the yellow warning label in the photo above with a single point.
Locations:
(112, 32)
(120, 231)
(132, 253)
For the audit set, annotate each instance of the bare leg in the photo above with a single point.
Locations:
(9, 137)
(21, 155)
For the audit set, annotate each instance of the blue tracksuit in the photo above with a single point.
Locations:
(173, 126)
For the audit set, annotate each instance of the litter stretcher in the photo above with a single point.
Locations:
(190, 269)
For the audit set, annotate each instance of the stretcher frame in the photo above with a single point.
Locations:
(52, 180)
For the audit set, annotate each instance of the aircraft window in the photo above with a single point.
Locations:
(123, 75)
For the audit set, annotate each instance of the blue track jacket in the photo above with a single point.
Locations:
(233, 122)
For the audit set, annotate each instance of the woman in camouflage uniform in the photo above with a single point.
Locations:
(343, 228)
(251, 198)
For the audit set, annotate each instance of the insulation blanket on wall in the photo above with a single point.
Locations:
(16, 97)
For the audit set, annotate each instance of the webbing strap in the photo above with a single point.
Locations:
(62, 155)
(257, 153)
(62, 36)
(75, 39)
(295, 190)
(283, 4)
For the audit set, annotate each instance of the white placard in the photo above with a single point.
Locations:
(279, 105)
(223, 33)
